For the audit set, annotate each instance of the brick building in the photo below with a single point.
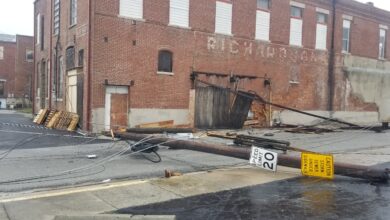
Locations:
(16, 70)
(126, 62)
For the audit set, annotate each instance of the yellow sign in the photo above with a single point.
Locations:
(318, 165)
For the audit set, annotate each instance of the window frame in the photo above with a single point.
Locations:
(268, 9)
(326, 18)
(160, 66)
(348, 49)
(296, 7)
(32, 54)
(382, 53)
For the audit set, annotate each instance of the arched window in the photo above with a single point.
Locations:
(165, 62)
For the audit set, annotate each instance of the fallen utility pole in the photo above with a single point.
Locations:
(160, 130)
(343, 169)
(257, 98)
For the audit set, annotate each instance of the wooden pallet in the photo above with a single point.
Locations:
(41, 117)
(73, 123)
(49, 117)
(54, 121)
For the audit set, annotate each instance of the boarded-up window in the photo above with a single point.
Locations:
(131, 8)
(382, 43)
(179, 12)
(296, 26)
(70, 58)
(38, 29)
(165, 61)
(321, 31)
(346, 35)
(1, 53)
(56, 18)
(223, 18)
(296, 32)
(73, 12)
(262, 25)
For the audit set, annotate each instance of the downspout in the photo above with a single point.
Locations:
(51, 55)
(331, 64)
(33, 95)
(89, 81)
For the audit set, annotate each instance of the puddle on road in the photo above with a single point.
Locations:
(298, 198)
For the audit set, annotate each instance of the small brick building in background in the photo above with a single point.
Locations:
(16, 70)
(127, 62)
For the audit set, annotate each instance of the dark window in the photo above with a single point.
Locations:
(60, 77)
(296, 12)
(81, 58)
(56, 22)
(2, 88)
(165, 61)
(70, 58)
(29, 55)
(42, 34)
(264, 4)
(322, 18)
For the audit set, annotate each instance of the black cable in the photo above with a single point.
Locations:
(151, 160)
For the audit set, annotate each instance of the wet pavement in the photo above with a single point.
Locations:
(298, 198)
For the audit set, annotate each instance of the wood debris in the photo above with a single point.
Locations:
(57, 119)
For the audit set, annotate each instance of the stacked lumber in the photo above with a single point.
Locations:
(54, 119)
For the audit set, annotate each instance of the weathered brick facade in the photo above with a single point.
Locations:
(16, 71)
(119, 50)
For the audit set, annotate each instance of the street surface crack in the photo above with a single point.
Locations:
(5, 211)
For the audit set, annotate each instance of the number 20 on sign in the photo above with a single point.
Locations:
(265, 159)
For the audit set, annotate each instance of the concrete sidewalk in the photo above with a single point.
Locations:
(95, 202)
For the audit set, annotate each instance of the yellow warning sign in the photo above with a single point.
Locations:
(318, 165)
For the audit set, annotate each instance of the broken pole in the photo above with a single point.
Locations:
(343, 169)
(160, 130)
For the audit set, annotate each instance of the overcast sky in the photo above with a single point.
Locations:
(16, 16)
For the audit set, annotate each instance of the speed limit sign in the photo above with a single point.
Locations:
(265, 159)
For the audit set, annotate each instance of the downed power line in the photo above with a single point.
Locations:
(343, 169)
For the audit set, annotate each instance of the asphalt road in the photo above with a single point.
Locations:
(33, 157)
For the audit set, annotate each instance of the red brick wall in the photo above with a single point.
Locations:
(122, 50)
(7, 66)
(23, 69)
